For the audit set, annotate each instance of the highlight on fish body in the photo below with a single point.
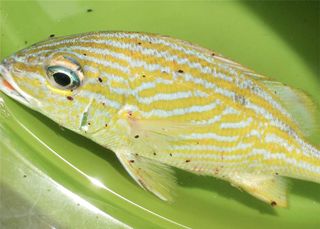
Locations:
(159, 102)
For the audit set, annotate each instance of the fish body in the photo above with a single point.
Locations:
(160, 102)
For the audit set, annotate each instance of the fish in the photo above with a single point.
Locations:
(161, 103)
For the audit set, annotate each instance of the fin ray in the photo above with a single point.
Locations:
(154, 176)
(268, 188)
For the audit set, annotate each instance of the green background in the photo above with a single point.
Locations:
(46, 170)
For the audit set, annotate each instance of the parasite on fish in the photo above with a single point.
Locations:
(159, 102)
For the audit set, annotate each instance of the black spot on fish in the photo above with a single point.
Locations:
(103, 104)
(213, 54)
(180, 71)
(139, 43)
(276, 174)
(154, 153)
(131, 161)
(89, 10)
(89, 123)
(187, 161)
(70, 98)
(106, 125)
(137, 136)
(144, 76)
(51, 35)
(100, 80)
(85, 54)
(273, 203)
(24, 176)
(170, 154)
(240, 99)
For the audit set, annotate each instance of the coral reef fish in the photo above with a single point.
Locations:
(158, 102)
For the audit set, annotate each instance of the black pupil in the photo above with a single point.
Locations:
(61, 78)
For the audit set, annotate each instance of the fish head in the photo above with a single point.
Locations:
(50, 79)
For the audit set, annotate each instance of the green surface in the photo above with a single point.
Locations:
(46, 172)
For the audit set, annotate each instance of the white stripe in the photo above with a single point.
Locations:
(216, 118)
(148, 52)
(159, 40)
(254, 133)
(210, 136)
(157, 67)
(153, 84)
(166, 97)
(180, 111)
(240, 80)
(273, 138)
(103, 62)
(236, 125)
(88, 68)
(240, 146)
(116, 78)
(244, 83)
(100, 98)
(243, 159)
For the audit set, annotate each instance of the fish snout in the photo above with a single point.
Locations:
(9, 87)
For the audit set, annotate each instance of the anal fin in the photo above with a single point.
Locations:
(268, 188)
(154, 176)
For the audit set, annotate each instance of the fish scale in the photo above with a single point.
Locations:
(158, 101)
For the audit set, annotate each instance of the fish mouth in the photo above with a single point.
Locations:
(10, 88)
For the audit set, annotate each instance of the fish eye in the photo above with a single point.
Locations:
(63, 77)
(64, 72)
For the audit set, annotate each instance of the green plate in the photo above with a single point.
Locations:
(53, 178)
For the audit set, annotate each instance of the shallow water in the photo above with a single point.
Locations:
(51, 177)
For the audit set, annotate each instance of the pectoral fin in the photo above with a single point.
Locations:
(149, 174)
(268, 188)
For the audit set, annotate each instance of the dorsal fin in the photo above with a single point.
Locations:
(298, 104)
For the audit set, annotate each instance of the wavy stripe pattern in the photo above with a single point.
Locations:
(241, 124)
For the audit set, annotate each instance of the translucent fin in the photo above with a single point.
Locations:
(158, 134)
(301, 107)
(147, 136)
(268, 188)
(149, 174)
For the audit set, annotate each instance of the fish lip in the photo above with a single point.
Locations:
(10, 88)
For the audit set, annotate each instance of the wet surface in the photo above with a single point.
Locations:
(47, 171)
